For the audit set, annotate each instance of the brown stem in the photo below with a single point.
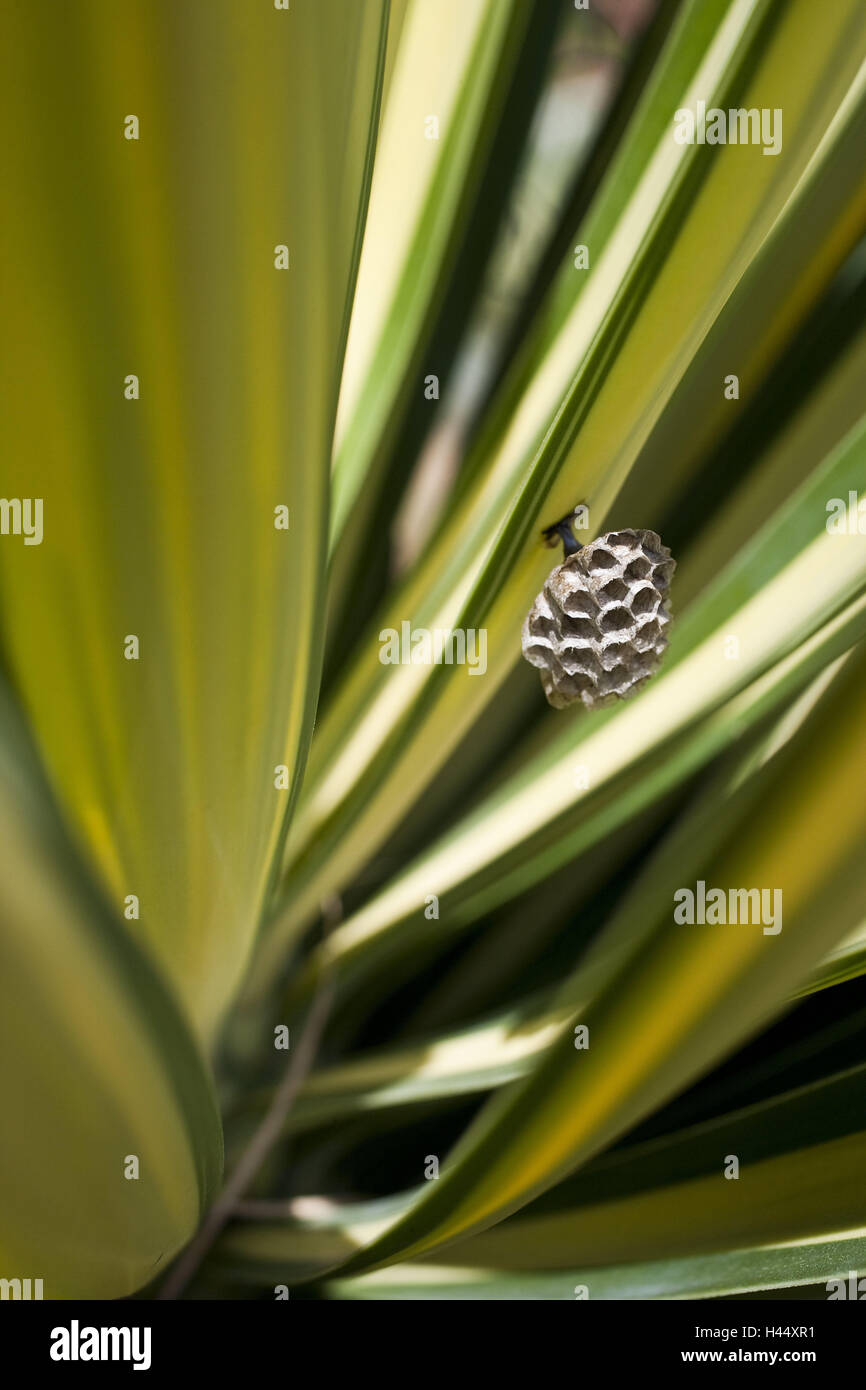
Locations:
(267, 1132)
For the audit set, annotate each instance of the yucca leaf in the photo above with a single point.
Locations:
(158, 258)
(465, 81)
(745, 1270)
(846, 962)
(100, 1071)
(827, 417)
(485, 1055)
(262, 1255)
(780, 1200)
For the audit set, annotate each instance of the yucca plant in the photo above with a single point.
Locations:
(481, 999)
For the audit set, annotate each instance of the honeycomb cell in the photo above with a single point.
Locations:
(577, 627)
(601, 559)
(615, 619)
(644, 599)
(613, 591)
(637, 569)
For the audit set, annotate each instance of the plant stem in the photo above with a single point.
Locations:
(267, 1132)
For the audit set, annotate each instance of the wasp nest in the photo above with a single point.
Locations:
(597, 630)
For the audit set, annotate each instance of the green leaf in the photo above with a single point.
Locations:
(748, 1269)
(682, 1204)
(100, 1067)
(473, 67)
(157, 257)
(478, 1058)
(847, 962)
